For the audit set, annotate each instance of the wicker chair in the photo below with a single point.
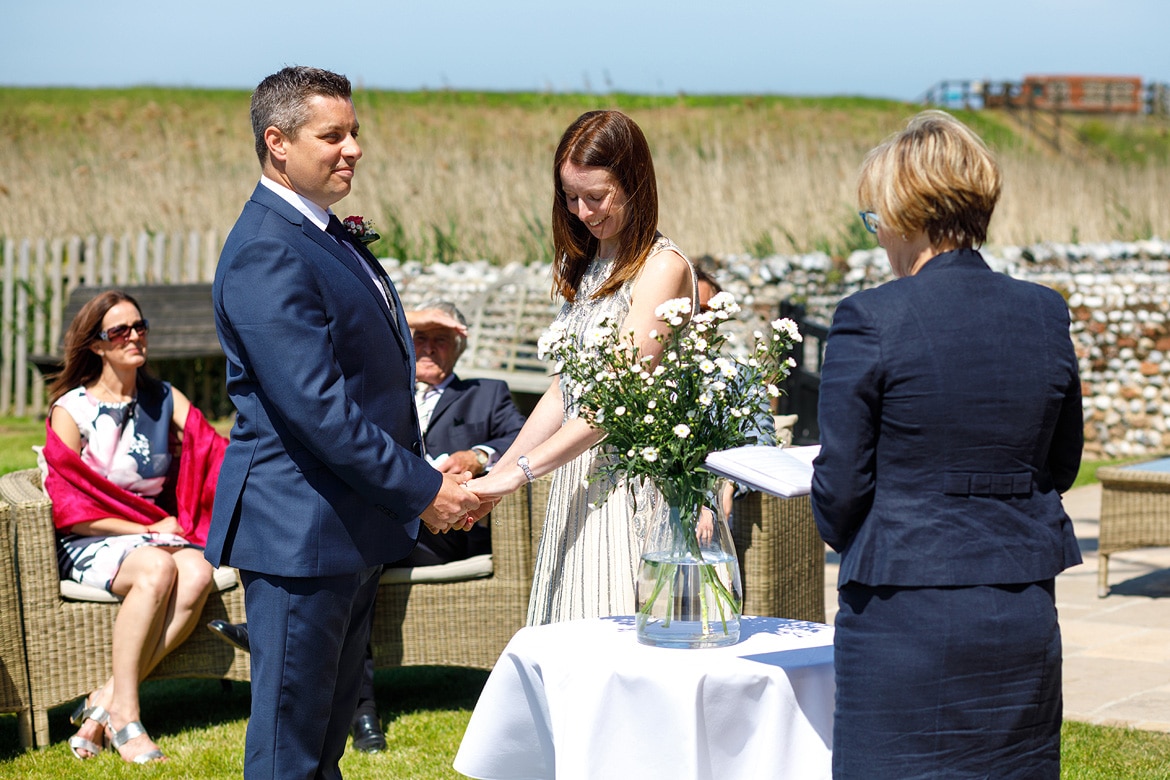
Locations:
(68, 642)
(468, 623)
(460, 623)
(1135, 512)
(14, 694)
(781, 557)
(465, 622)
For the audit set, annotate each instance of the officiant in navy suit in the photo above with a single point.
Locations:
(951, 422)
(324, 479)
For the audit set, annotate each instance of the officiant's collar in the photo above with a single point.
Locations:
(317, 215)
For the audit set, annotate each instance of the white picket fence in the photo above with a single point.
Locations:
(39, 274)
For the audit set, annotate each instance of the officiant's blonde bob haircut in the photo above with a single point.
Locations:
(282, 100)
(936, 176)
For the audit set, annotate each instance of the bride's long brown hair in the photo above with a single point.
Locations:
(609, 140)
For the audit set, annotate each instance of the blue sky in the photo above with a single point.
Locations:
(895, 48)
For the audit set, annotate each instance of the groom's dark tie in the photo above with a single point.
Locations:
(338, 231)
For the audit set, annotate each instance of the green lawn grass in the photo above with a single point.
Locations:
(200, 724)
(17, 438)
(1087, 474)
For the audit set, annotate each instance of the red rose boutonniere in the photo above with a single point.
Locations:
(361, 229)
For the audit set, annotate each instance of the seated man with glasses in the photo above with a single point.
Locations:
(466, 423)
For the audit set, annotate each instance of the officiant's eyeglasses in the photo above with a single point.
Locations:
(119, 333)
(871, 220)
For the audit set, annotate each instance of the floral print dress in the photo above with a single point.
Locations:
(128, 444)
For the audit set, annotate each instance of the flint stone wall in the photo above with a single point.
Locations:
(1118, 295)
(1119, 305)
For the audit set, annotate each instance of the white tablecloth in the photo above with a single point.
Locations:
(585, 700)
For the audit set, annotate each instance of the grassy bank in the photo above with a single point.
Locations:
(461, 175)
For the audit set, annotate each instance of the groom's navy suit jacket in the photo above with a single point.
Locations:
(950, 419)
(324, 474)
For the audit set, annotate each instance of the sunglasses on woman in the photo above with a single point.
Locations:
(119, 333)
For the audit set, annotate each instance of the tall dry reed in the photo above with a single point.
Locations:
(469, 178)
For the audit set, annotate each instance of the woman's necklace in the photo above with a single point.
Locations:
(128, 412)
(116, 397)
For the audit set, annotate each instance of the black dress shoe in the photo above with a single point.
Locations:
(234, 634)
(367, 734)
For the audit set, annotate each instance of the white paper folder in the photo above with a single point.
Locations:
(781, 471)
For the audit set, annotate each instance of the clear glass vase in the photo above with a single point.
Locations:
(689, 593)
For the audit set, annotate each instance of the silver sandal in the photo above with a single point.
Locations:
(128, 732)
(82, 712)
(80, 716)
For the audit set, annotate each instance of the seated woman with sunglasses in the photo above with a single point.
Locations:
(131, 517)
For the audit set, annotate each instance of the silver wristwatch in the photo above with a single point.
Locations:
(522, 462)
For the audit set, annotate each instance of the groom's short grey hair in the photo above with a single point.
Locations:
(281, 100)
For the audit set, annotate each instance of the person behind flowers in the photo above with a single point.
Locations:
(128, 521)
(950, 422)
(611, 261)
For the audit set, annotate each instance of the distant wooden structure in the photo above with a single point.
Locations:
(1058, 93)
(1038, 102)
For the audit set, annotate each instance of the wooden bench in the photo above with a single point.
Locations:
(505, 318)
(505, 323)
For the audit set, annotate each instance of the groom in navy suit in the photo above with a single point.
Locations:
(324, 480)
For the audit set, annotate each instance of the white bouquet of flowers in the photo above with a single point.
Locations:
(662, 420)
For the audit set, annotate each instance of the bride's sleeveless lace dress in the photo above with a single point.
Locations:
(589, 551)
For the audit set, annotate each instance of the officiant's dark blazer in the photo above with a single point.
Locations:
(473, 412)
(324, 474)
(950, 420)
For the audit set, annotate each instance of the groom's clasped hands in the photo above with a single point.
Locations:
(457, 506)
(462, 501)
(454, 507)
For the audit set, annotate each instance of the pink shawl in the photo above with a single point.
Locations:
(80, 494)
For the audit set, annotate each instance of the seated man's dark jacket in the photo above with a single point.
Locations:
(469, 413)
(473, 412)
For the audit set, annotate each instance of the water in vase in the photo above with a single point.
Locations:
(687, 602)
